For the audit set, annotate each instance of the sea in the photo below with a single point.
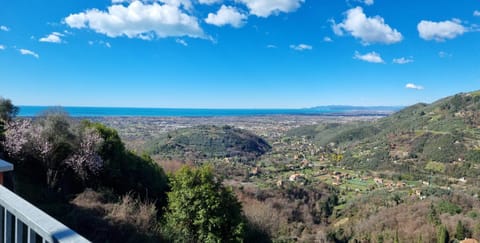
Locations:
(30, 111)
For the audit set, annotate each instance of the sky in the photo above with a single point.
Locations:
(237, 53)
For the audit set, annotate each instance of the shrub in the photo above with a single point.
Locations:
(448, 207)
(201, 209)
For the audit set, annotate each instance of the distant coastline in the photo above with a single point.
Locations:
(29, 111)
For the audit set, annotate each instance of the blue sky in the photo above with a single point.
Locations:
(237, 53)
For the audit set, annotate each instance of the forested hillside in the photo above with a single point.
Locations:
(209, 142)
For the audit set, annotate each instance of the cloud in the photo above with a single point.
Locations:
(440, 31)
(54, 37)
(271, 46)
(476, 13)
(368, 2)
(138, 20)
(28, 52)
(265, 8)
(101, 43)
(372, 57)
(301, 47)
(186, 4)
(413, 86)
(208, 2)
(181, 42)
(227, 16)
(443, 54)
(327, 39)
(402, 60)
(2, 47)
(368, 29)
(4, 28)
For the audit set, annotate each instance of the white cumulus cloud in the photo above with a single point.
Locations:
(54, 37)
(28, 52)
(226, 16)
(327, 39)
(372, 57)
(440, 31)
(413, 86)
(301, 47)
(402, 60)
(138, 20)
(368, 29)
(4, 28)
(2, 47)
(476, 13)
(209, 1)
(265, 8)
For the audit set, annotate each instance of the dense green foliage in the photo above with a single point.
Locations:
(201, 209)
(204, 142)
(125, 171)
(460, 231)
(7, 110)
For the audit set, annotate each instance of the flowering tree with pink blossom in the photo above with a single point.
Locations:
(16, 136)
(86, 162)
(58, 144)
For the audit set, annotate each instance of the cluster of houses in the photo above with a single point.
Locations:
(389, 184)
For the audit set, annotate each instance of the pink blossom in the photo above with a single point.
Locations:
(86, 161)
(16, 136)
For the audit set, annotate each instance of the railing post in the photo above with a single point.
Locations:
(31, 236)
(2, 218)
(18, 231)
(8, 227)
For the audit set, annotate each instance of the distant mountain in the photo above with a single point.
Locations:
(206, 142)
(355, 110)
(431, 136)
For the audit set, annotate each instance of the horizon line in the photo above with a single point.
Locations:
(215, 108)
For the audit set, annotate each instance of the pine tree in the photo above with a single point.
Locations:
(442, 234)
(433, 216)
(460, 231)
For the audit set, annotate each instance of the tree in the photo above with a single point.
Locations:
(7, 110)
(432, 215)
(201, 209)
(62, 151)
(460, 231)
(396, 239)
(52, 141)
(124, 171)
(442, 234)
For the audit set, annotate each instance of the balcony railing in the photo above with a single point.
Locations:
(21, 222)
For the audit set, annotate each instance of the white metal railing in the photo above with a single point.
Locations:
(21, 222)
